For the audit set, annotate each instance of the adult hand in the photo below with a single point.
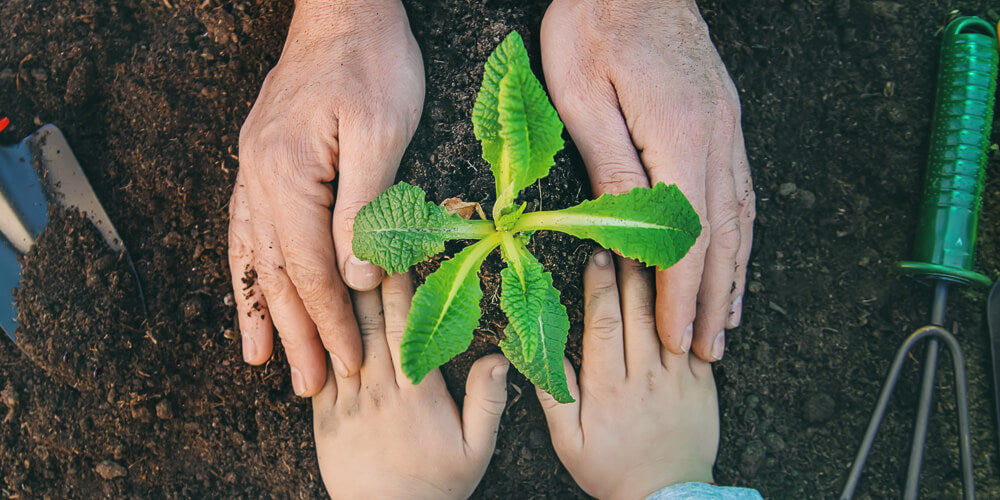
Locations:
(644, 417)
(342, 103)
(380, 436)
(647, 99)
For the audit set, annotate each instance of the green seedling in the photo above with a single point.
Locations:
(520, 134)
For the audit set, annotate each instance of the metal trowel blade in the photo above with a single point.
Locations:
(33, 173)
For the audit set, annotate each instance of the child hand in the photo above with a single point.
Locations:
(379, 436)
(644, 418)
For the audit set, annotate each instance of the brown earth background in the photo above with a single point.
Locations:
(837, 98)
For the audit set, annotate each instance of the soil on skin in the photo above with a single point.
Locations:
(104, 401)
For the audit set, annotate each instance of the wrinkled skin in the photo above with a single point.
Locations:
(638, 83)
(644, 417)
(380, 436)
(646, 99)
(341, 105)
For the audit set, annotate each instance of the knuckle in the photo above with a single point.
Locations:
(643, 315)
(726, 234)
(370, 324)
(293, 341)
(313, 285)
(272, 280)
(239, 248)
(492, 405)
(617, 177)
(604, 326)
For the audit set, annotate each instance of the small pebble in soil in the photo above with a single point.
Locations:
(171, 239)
(774, 442)
(164, 411)
(142, 414)
(192, 308)
(78, 84)
(806, 198)
(111, 470)
(752, 458)
(537, 439)
(842, 8)
(40, 74)
(787, 189)
(896, 115)
(818, 408)
(762, 354)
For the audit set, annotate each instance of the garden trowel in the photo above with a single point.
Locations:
(39, 170)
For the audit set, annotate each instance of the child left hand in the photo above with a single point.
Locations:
(380, 436)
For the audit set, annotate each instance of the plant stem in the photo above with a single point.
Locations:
(557, 220)
(475, 230)
(511, 252)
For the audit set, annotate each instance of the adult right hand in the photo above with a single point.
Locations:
(344, 98)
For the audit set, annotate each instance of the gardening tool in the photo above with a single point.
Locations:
(946, 231)
(39, 170)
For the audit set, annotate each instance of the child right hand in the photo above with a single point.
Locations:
(380, 436)
(644, 418)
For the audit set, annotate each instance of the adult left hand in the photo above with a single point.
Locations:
(647, 99)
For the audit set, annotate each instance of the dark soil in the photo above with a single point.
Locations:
(837, 98)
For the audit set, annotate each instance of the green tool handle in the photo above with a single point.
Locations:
(960, 138)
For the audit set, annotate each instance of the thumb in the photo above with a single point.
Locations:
(365, 171)
(485, 398)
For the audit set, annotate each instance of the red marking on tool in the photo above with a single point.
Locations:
(3, 123)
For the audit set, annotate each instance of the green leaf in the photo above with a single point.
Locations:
(445, 312)
(517, 125)
(507, 219)
(654, 225)
(399, 228)
(545, 370)
(532, 303)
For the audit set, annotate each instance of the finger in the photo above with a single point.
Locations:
(325, 399)
(325, 415)
(369, 158)
(485, 399)
(747, 213)
(642, 347)
(251, 308)
(377, 366)
(603, 343)
(563, 418)
(588, 105)
(714, 296)
(397, 296)
(302, 346)
(676, 153)
(307, 246)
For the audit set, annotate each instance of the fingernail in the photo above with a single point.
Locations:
(736, 312)
(602, 258)
(499, 372)
(298, 385)
(339, 366)
(719, 347)
(686, 338)
(361, 274)
(249, 348)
